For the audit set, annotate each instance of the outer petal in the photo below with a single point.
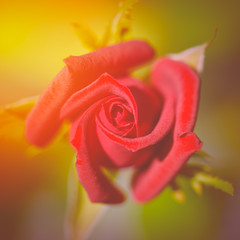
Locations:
(43, 121)
(152, 180)
(103, 87)
(183, 86)
(89, 158)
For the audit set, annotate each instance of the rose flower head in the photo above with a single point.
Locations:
(118, 121)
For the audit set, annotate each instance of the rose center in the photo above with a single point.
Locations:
(116, 116)
(120, 115)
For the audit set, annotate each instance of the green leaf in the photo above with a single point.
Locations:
(197, 166)
(216, 182)
(106, 37)
(126, 4)
(22, 107)
(116, 30)
(86, 36)
(196, 186)
(190, 169)
(121, 24)
(200, 161)
(201, 154)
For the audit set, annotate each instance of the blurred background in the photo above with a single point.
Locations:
(36, 36)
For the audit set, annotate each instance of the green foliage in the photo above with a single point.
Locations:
(196, 186)
(201, 154)
(20, 108)
(121, 23)
(116, 31)
(198, 173)
(215, 182)
(87, 37)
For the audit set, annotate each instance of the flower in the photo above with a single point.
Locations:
(118, 121)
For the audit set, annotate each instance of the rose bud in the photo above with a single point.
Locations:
(118, 121)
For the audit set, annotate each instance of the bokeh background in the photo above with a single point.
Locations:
(34, 38)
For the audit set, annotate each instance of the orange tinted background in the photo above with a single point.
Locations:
(37, 35)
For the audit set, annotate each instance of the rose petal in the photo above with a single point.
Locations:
(89, 159)
(162, 125)
(183, 86)
(149, 104)
(119, 155)
(103, 87)
(150, 182)
(122, 150)
(121, 123)
(43, 121)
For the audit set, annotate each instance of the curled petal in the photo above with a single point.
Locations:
(150, 182)
(148, 113)
(43, 121)
(97, 185)
(177, 81)
(183, 85)
(90, 158)
(103, 87)
(116, 115)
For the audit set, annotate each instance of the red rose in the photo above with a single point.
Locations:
(118, 121)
